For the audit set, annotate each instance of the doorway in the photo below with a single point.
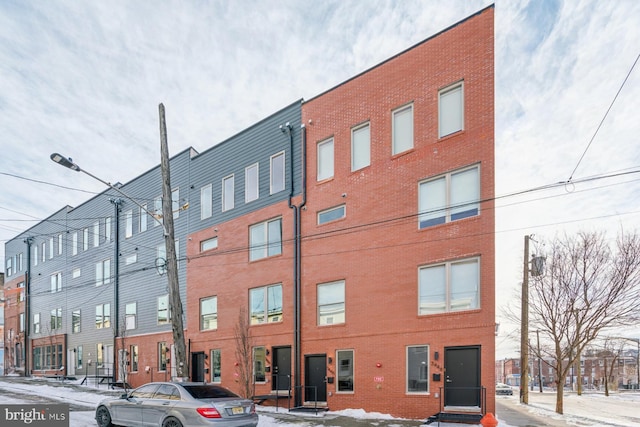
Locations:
(462, 376)
(281, 374)
(197, 367)
(315, 374)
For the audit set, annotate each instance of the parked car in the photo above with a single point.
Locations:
(173, 404)
(504, 389)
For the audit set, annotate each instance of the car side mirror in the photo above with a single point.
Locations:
(124, 396)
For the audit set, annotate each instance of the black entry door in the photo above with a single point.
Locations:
(462, 376)
(281, 375)
(197, 367)
(315, 373)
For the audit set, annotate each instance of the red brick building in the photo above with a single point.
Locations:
(386, 276)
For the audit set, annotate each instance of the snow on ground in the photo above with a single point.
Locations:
(591, 409)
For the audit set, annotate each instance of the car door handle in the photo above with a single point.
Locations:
(165, 403)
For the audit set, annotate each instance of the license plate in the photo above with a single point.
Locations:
(237, 410)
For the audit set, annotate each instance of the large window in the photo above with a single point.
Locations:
(265, 239)
(360, 147)
(50, 247)
(325, 160)
(44, 251)
(60, 243)
(402, 129)
(277, 175)
(228, 191)
(251, 183)
(449, 197)
(206, 201)
(216, 366)
(331, 303)
(103, 272)
(451, 286)
(259, 364)
(103, 316)
(345, 370)
(451, 109)
(163, 310)
(107, 228)
(208, 313)
(75, 321)
(56, 319)
(130, 315)
(79, 357)
(266, 304)
(418, 369)
(56, 282)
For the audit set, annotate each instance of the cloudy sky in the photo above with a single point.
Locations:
(84, 78)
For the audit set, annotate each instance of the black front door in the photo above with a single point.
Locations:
(197, 367)
(462, 376)
(281, 374)
(315, 373)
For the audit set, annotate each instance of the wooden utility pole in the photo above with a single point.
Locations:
(524, 328)
(175, 302)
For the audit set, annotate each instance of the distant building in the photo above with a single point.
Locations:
(352, 233)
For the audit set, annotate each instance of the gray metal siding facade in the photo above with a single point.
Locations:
(139, 282)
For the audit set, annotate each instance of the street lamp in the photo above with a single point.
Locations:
(68, 163)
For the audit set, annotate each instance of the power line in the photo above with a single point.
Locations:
(603, 118)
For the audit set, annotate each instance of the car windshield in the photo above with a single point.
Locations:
(208, 391)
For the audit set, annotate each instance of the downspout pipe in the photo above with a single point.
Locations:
(27, 307)
(297, 260)
(116, 289)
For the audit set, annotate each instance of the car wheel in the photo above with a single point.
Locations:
(171, 422)
(103, 417)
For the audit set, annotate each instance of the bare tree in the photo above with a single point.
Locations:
(244, 348)
(587, 288)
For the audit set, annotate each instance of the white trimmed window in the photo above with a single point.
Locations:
(56, 318)
(103, 316)
(360, 147)
(143, 224)
(216, 366)
(175, 203)
(74, 244)
(209, 313)
(51, 246)
(207, 245)
(331, 303)
(206, 201)
(36, 323)
(85, 239)
(103, 272)
(418, 369)
(449, 197)
(96, 234)
(131, 259)
(60, 242)
(265, 239)
(251, 184)
(75, 273)
(35, 254)
(163, 310)
(228, 191)
(75, 321)
(344, 362)
(157, 211)
(277, 176)
(451, 109)
(44, 250)
(402, 129)
(448, 287)
(332, 214)
(325, 159)
(107, 228)
(128, 224)
(56, 282)
(130, 315)
(265, 304)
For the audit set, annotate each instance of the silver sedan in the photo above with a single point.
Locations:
(169, 404)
